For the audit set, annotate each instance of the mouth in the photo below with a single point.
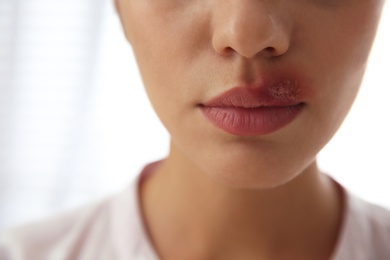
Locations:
(255, 110)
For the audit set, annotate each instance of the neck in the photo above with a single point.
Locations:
(188, 214)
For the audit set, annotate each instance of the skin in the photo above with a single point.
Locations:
(222, 196)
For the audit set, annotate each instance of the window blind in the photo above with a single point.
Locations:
(48, 56)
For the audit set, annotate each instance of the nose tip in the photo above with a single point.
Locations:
(249, 30)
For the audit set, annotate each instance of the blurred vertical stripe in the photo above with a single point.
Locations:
(48, 57)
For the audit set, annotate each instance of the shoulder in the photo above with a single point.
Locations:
(58, 237)
(374, 221)
(109, 229)
(366, 231)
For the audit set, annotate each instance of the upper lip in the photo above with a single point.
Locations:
(276, 93)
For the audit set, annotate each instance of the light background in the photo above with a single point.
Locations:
(76, 125)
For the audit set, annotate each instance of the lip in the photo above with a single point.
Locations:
(255, 110)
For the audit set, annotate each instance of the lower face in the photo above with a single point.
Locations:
(189, 52)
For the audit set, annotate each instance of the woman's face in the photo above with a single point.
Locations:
(285, 74)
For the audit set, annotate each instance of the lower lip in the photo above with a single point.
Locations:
(251, 121)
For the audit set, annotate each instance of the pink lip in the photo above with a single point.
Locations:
(255, 110)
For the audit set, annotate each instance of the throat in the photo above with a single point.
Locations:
(300, 218)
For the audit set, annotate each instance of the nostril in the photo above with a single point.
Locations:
(273, 52)
(227, 51)
(270, 50)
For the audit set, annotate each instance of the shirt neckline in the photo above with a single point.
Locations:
(127, 216)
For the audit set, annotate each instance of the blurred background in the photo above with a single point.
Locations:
(70, 90)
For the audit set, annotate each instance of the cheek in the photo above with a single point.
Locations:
(335, 47)
(165, 36)
(169, 53)
(339, 39)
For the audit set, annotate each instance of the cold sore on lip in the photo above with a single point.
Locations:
(251, 111)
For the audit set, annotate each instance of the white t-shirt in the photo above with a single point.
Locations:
(113, 229)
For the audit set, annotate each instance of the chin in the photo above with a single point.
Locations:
(253, 174)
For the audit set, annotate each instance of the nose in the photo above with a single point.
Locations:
(249, 27)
